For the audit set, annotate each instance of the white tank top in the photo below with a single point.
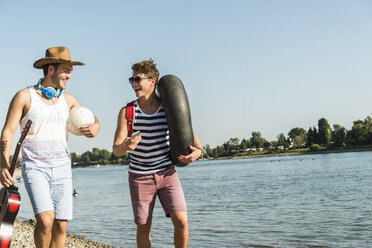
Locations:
(46, 143)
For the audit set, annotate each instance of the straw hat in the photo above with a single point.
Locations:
(56, 55)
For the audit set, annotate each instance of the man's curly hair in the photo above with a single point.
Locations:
(147, 67)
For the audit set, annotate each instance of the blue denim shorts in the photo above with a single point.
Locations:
(49, 189)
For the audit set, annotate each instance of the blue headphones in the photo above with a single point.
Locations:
(49, 92)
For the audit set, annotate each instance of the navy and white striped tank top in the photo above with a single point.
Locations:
(152, 153)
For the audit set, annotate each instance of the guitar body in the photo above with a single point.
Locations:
(10, 203)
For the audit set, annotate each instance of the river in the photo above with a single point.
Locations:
(322, 200)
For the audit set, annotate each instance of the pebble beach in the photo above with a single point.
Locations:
(23, 232)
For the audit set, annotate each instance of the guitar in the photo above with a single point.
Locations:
(10, 198)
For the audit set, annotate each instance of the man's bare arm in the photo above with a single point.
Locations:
(17, 109)
(123, 143)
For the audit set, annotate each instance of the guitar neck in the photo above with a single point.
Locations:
(15, 159)
(18, 148)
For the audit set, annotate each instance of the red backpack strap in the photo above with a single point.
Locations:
(130, 117)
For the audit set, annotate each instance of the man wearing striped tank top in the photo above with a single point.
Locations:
(46, 164)
(151, 171)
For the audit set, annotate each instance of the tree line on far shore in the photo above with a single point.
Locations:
(322, 137)
(97, 157)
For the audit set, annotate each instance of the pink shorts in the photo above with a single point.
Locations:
(143, 191)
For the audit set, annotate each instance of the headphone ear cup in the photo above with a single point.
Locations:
(49, 92)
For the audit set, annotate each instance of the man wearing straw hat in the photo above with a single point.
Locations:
(46, 164)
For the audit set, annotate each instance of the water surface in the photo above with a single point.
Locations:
(295, 201)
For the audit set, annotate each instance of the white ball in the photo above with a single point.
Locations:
(78, 117)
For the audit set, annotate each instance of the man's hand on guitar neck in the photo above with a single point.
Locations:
(5, 178)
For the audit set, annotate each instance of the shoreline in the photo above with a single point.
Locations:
(23, 236)
(23, 233)
(263, 155)
(294, 153)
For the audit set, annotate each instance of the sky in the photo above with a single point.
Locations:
(266, 66)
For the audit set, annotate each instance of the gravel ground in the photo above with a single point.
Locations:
(23, 236)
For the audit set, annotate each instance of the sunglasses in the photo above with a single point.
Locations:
(137, 79)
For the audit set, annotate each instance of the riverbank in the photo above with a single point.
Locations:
(292, 153)
(265, 153)
(23, 237)
(23, 232)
